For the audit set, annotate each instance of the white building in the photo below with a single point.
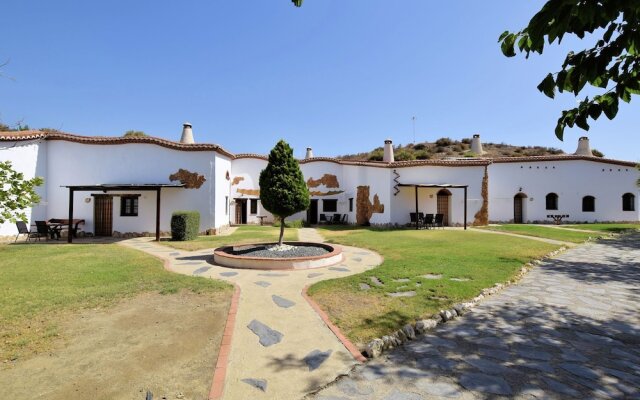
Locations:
(116, 181)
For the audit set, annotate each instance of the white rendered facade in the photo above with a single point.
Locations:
(229, 193)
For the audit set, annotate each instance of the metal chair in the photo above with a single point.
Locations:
(439, 221)
(23, 229)
(336, 218)
(416, 220)
(323, 219)
(42, 230)
(345, 218)
(428, 221)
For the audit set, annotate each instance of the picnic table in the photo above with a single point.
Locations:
(261, 218)
(557, 218)
(56, 225)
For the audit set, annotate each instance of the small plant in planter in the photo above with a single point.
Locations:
(283, 191)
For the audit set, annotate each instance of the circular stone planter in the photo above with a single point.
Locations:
(226, 256)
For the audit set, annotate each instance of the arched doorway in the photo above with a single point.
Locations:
(443, 205)
(518, 208)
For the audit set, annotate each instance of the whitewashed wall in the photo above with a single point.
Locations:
(571, 180)
(404, 202)
(70, 163)
(316, 169)
(222, 192)
(249, 170)
(29, 158)
(379, 182)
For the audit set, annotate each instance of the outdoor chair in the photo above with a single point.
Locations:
(23, 229)
(416, 220)
(428, 221)
(439, 221)
(336, 218)
(323, 219)
(42, 230)
(345, 218)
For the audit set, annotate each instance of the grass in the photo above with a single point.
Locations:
(243, 235)
(41, 285)
(609, 228)
(563, 235)
(481, 258)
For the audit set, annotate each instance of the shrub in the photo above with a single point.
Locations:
(404, 155)
(185, 225)
(422, 155)
(376, 155)
(466, 141)
(445, 141)
(420, 146)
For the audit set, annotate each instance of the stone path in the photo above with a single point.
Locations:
(539, 239)
(281, 348)
(570, 329)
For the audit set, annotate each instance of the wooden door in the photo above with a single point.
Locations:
(517, 209)
(443, 207)
(103, 215)
(312, 212)
(241, 211)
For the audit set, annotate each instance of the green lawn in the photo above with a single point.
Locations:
(610, 228)
(243, 235)
(563, 235)
(40, 285)
(481, 258)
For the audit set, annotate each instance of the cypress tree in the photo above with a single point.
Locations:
(283, 191)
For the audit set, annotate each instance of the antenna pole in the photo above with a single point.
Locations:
(414, 129)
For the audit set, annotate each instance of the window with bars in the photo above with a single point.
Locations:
(129, 206)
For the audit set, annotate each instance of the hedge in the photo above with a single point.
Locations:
(185, 225)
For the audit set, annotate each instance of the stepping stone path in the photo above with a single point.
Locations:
(279, 347)
(376, 281)
(459, 279)
(432, 276)
(569, 329)
(409, 293)
(364, 286)
(402, 280)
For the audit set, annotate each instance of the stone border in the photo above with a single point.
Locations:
(336, 331)
(221, 257)
(408, 332)
(220, 372)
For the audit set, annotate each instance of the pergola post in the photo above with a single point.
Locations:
(70, 234)
(417, 219)
(158, 214)
(465, 208)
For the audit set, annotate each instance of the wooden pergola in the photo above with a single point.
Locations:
(105, 188)
(441, 186)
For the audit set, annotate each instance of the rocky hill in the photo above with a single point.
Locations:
(445, 147)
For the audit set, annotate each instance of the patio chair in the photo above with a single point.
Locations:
(23, 229)
(345, 218)
(336, 218)
(439, 221)
(415, 220)
(428, 221)
(323, 219)
(42, 230)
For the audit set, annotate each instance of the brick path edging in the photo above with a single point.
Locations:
(336, 331)
(408, 332)
(220, 372)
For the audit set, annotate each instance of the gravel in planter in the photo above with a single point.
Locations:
(295, 251)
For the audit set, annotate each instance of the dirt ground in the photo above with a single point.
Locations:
(167, 344)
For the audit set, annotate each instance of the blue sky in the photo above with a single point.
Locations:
(339, 76)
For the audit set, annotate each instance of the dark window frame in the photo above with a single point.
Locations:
(129, 206)
(326, 202)
(253, 206)
(588, 204)
(628, 202)
(551, 201)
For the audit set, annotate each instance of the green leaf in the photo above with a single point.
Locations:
(548, 86)
(507, 45)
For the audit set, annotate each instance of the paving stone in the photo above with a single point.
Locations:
(357, 259)
(398, 395)
(364, 286)
(486, 365)
(580, 370)
(273, 274)
(373, 372)
(174, 254)
(267, 336)
(409, 293)
(314, 274)
(340, 269)
(459, 279)
(376, 281)
(351, 388)
(534, 354)
(432, 276)
(282, 302)
(316, 358)
(491, 341)
(485, 383)
(441, 389)
(230, 273)
(259, 384)
(402, 280)
(330, 398)
(263, 283)
(201, 270)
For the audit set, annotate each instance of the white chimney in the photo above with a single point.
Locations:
(388, 151)
(583, 147)
(309, 153)
(476, 145)
(187, 134)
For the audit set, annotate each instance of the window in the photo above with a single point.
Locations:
(329, 205)
(129, 206)
(588, 204)
(254, 206)
(552, 201)
(351, 204)
(628, 202)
